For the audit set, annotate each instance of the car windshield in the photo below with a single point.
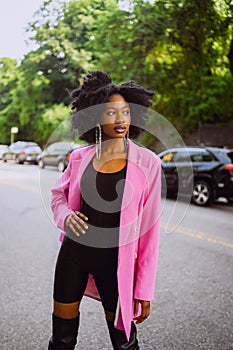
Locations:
(36, 148)
(64, 146)
(226, 156)
(21, 145)
(31, 145)
(60, 147)
(230, 155)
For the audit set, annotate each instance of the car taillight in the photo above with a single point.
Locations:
(68, 156)
(23, 152)
(229, 167)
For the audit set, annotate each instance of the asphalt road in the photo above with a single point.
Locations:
(193, 306)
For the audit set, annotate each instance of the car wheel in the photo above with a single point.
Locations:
(41, 164)
(17, 161)
(4, 160)
(202, 193)
(61, 166)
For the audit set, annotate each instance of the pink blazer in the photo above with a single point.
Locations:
(139, 224)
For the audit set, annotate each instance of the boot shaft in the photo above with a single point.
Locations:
(64, 333)
(119, 339)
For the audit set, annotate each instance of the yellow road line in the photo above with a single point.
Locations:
(199, 235)
(19, 185)
(181, 230)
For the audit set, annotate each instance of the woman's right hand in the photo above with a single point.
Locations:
(76, 222)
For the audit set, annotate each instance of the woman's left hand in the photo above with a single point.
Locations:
(145, 306)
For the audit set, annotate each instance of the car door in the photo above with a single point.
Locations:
(60, 152)
(10, 155)
(178, 172)
(184, 170)
(169, 178)
(48, 156)
(203, 161)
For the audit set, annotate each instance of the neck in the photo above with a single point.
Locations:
(116, 145)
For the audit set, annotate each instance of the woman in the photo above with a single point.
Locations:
(107, 203)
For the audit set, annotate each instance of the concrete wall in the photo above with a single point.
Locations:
(217, 135)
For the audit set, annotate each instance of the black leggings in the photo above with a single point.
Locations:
(75, 262)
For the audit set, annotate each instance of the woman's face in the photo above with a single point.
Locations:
(115, 120)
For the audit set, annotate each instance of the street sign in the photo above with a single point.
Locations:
(14, 130)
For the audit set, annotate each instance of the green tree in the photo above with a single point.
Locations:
(194, 78)
(64, 53)
(8, 116)
(182, 49)
(125, 40)
(50, 124)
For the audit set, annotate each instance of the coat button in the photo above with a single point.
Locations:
(135, 255)
(135, 229)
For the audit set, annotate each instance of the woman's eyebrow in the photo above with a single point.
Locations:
(116, 108)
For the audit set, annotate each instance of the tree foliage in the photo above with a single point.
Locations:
(182, 49)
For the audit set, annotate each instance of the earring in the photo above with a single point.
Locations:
(98, 141)
(126, 141)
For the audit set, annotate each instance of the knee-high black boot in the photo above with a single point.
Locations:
(65, 333)
(119, 340)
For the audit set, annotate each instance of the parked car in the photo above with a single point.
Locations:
(3, 149)
(211, 176)
(57, 154)
(22, 151)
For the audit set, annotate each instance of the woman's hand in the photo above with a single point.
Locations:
(145, 306)
(76, 222)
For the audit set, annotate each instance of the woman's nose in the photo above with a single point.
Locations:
(119, 117)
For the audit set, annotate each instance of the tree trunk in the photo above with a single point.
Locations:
(230, 57)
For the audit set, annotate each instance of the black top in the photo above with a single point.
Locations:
(102, 196)
(101, 199)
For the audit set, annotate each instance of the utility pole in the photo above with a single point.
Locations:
(14, 131)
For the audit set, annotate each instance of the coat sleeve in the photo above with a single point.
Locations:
(59, 199)
(148, 244)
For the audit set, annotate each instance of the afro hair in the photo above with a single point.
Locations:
(95, 92)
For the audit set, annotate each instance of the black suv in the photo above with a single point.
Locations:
(205, 172)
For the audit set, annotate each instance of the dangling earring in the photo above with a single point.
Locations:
(126, 141)
(98, 141)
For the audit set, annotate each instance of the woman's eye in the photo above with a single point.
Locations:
(111, 113)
